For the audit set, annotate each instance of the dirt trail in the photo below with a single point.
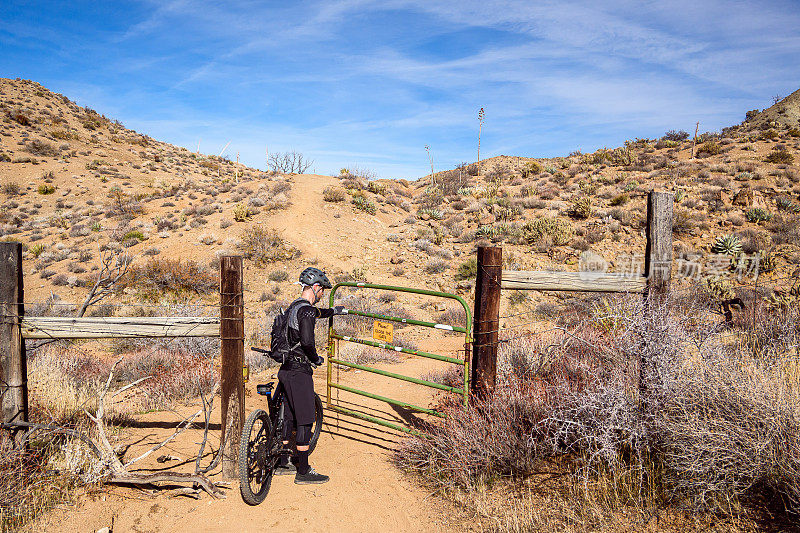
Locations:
(366, 492)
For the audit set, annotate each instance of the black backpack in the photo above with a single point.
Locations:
(279, 341)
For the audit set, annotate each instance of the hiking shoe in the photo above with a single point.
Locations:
(285, 470)
(312, 477)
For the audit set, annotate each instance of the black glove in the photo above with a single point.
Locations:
(339, 310)
(320, 361)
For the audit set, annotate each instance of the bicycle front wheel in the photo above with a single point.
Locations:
(256, 460)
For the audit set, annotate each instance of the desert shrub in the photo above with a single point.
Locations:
(264, 246)
(11, 188)
(175, 375)
(559, 231)
(289, 162)
(241, 212)
(278, 275)
(46, 189)
(333, 194)
(122, 204)
(134, 234)
(29, 485)
(676, 136)
(362, 203)
(620, 199)
(436, 266)
(468, 269)
(786, 204)
(710, 430)
(159, 276)
(683, 223)
(709, 148)
(581, 208)
(362, 355)
(780, 155)
(41, 148)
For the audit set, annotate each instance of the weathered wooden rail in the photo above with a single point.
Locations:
(46, 327)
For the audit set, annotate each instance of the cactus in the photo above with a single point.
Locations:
(727, 245)
(717, 288)
(581, 208)
(560, 231)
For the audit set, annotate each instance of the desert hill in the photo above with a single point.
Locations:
(785, 113)
(75, 183)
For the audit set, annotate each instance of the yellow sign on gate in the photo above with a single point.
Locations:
(382, 331)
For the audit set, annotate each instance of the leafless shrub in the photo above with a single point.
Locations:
(289, 162)
(41, 148)
(707, 425)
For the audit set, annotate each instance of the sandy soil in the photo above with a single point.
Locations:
(366, 492)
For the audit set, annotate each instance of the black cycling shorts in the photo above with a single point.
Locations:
(298, 388)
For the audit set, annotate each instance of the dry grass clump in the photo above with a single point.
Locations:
(29, 483)
(334, 194)
(713, 428)
(159, 276)
(264, 246)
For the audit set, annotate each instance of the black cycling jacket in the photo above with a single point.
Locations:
(307, 317)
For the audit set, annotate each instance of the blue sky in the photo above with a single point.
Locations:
(369, 84)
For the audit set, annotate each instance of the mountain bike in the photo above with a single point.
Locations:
(261, 445)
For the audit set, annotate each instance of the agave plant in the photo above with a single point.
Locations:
(785, 204)
(758, 214)
(727, 245)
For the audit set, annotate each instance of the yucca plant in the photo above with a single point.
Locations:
(727, 245)
(785, 204)
(758, 214)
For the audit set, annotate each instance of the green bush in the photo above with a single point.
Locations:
(363, 203)
(559, 231)
(710, 148)
(46, 189)
(620, 199)
(135, 234)
(468, 269)
(781, 156)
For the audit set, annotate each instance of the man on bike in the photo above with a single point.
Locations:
(295, 373)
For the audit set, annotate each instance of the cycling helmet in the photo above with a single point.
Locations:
(311, 276)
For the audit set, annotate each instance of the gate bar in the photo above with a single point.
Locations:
(362, 416)
(394, 348)
(413, 322)
(387, 400)
(398, 376)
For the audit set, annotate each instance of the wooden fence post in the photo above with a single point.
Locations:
(487, 320)
(658, 269)
(13, 370)
(658, 250)
(231, 330)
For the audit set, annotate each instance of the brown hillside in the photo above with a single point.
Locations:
(785, 113)
(117, 189)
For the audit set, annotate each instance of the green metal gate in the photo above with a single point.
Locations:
(333, 336)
